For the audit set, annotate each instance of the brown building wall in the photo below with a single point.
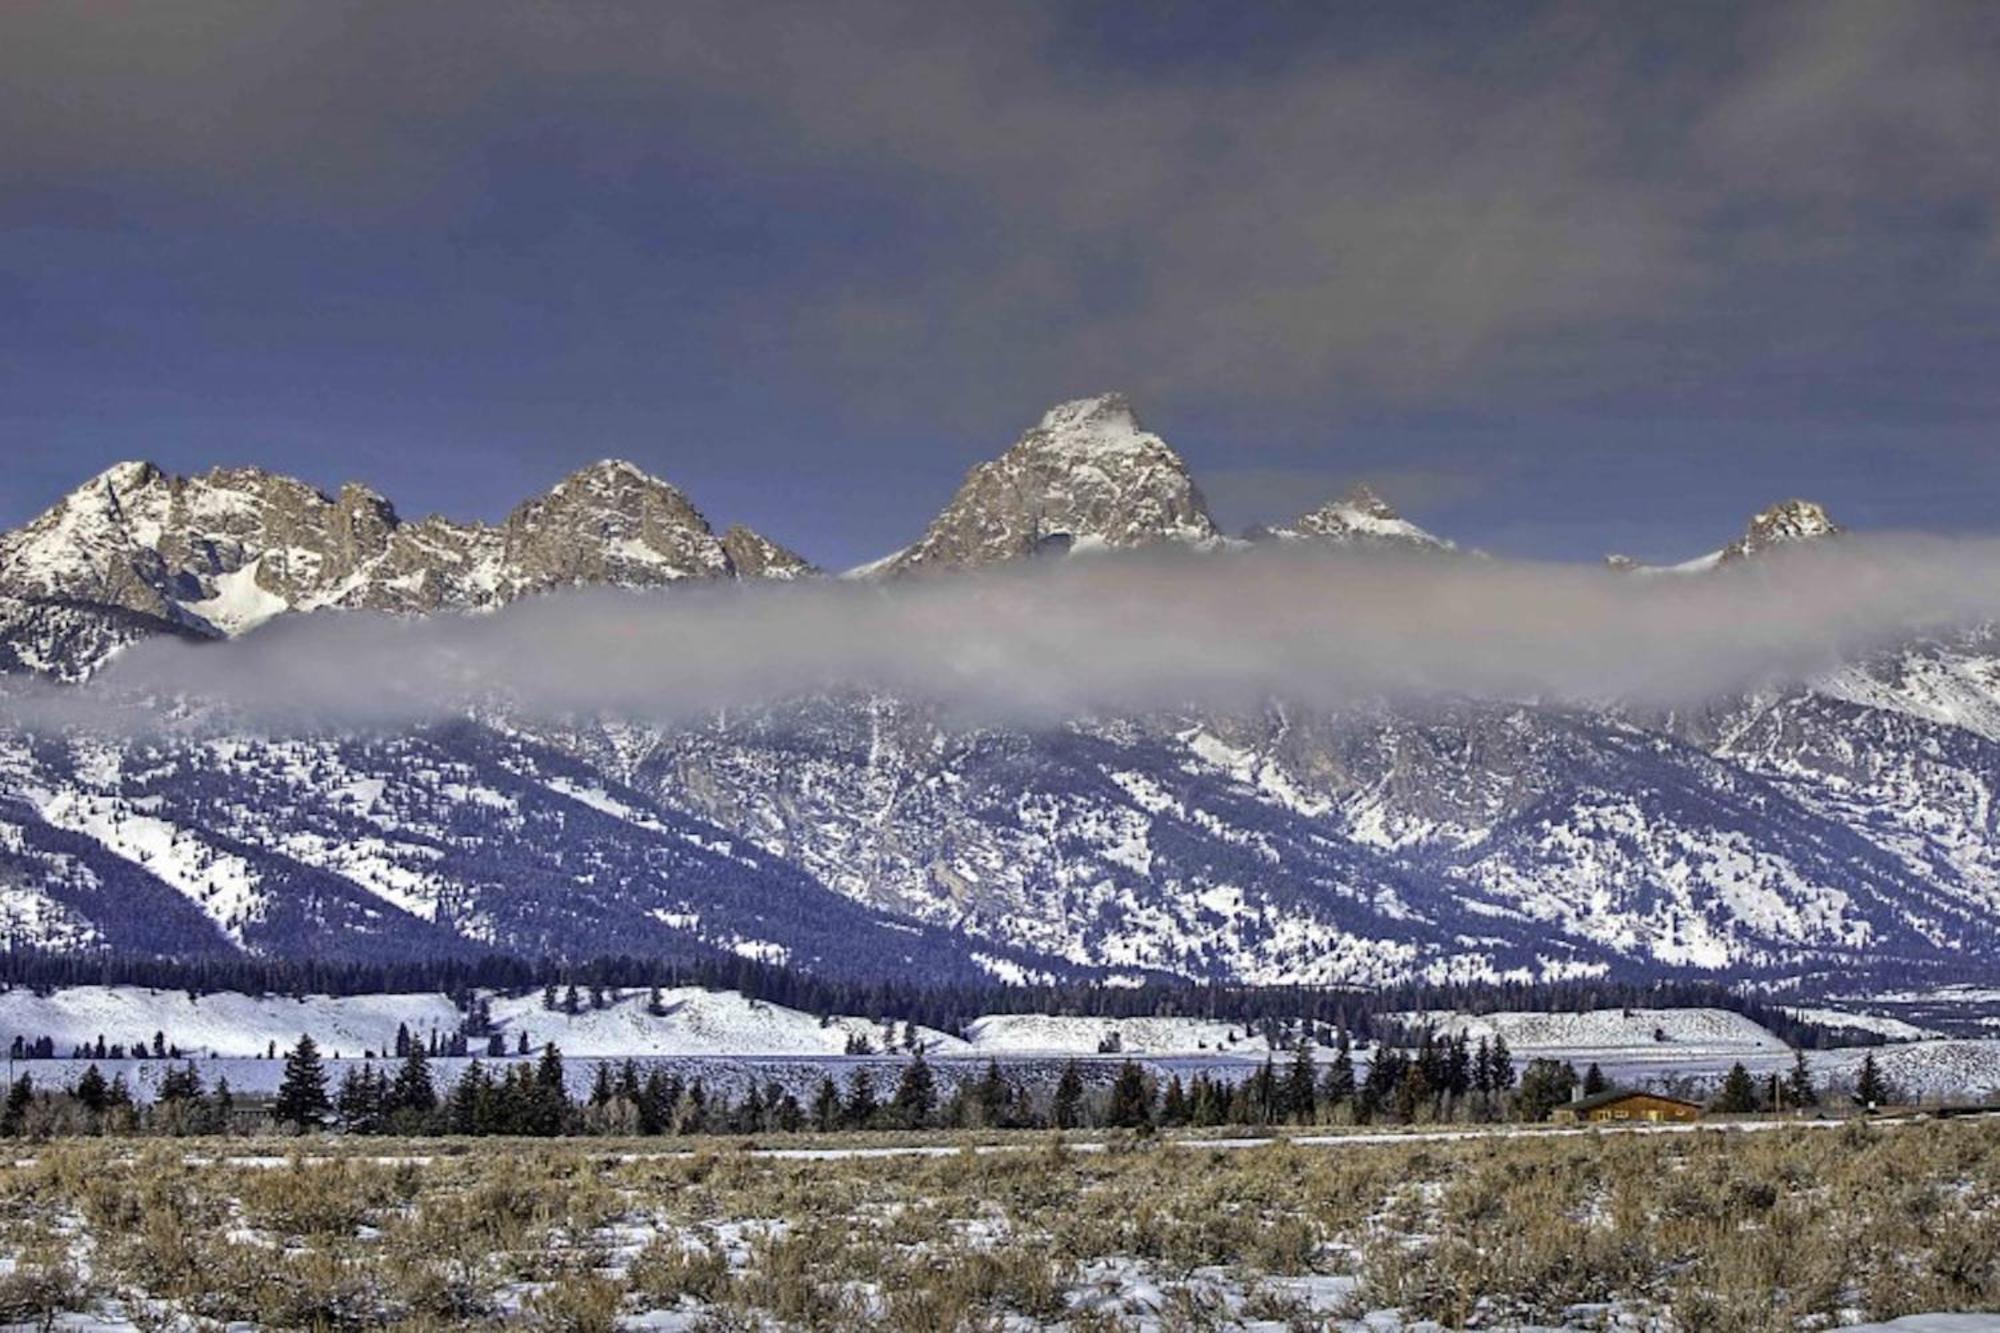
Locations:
(1639, 1106)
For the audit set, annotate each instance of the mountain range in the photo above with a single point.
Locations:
(1845, 824)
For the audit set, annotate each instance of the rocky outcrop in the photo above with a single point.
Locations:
(755, 556)
(1359, 518)
(1784, 524)
(1087, 477)
(219, 554)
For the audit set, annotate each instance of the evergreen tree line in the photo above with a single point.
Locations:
(1438, 1080)
(1743, 1093)
(1272, 1010)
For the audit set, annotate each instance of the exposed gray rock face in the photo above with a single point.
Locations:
(1088, 473)
(608, 523)
(754, 556)
(1360, 518)
(221, 553)
(1787, 523)
(1783, 524)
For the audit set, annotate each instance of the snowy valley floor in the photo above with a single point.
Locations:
(1800, 1227)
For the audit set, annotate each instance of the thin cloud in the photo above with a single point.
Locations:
(1037, 645)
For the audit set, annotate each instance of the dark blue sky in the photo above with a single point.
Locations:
(1559, 280)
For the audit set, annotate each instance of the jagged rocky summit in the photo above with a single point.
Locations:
(135, 549)
(1789, 523)
(1358, 518)
(1843, 826)
(1088, 476)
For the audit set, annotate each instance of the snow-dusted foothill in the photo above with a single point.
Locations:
(683, 1021)
(1667, 1034)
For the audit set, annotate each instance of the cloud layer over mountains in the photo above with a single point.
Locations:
(1042, 642)
(1254, 205)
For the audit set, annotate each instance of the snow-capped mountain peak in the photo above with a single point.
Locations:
(128, 475)
(1088, 476)
(218, 554)
(1104, 423)
(606, 474)
(1783, 524)
(1360, 517)
(610, 522)
(1786, 523)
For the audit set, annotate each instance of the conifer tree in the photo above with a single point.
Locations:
(1458, 1066)
(1300, 1095)
(360, 1101)
(413, 1092)
(1210, 1102)
(826, 1105)
(20, 1096)
(1339, 1085)
(1067, 1108)
(302, 1099)
(1739, 1092)
(548, 1103)
(1799, 1090)
(180, 1084)
(1503, 1064)
(1593, 1080)
(92, 1091)
(990, 1096)
(916, 1094)
(657, 1098)
(1871, 1089)
(467, 1109)
(1131, 1100)
(859, 1112)
(1264, 1093)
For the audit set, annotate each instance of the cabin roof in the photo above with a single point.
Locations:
(1612, 1095)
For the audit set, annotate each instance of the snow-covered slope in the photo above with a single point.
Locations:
(1860, 1020)
(437, 842)
(1360, 518)
(1665, 1033)
(1953, 1071)
(1051, 1034)
(686, 1021)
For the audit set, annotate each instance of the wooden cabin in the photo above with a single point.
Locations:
(1623, 1104)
